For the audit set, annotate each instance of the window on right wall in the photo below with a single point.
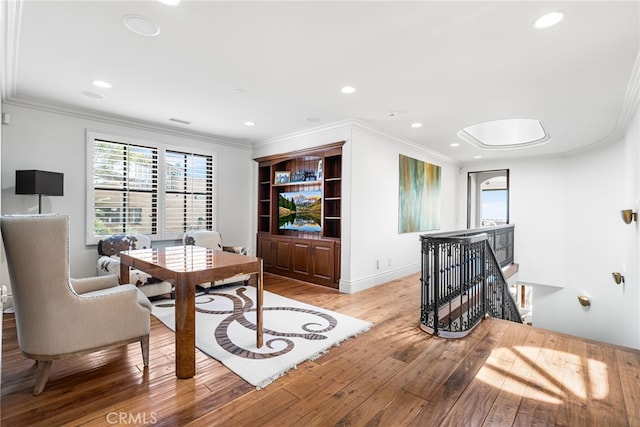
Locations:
(487, 198)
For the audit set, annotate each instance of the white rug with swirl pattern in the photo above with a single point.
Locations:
(293, 331)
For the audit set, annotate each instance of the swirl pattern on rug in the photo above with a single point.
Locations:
(242, 304)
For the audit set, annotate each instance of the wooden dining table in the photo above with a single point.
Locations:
(185, 267)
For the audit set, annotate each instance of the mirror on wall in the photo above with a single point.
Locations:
(487, 198)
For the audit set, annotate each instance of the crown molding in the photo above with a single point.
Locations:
(10, 18)
(366, 127)
(124, 121)
(349, 125)
(304, 133)
(627, 112)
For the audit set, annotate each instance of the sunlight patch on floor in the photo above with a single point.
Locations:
(544, 374)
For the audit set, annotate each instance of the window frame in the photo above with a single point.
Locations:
(474, 193)
(161, 234)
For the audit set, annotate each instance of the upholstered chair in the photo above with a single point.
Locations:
(213, 240)
(109, 262)
(58, 317)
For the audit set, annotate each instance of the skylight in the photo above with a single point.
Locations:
(505, 134)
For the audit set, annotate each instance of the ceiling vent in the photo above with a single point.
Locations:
(184, 122)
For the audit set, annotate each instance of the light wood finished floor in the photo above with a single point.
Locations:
(502, 374)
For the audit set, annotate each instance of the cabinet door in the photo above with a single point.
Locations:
(337, 265)
(282, 255)
(266, 251)
(302, 258)
(322, 260)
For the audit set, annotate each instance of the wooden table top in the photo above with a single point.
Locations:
(188, 257)
(168, 262)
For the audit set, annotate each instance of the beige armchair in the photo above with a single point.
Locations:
(213, 240)
(59, 317)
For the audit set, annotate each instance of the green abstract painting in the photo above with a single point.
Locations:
(418, 196)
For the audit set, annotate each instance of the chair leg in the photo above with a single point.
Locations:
(42, 375)
(144, 344)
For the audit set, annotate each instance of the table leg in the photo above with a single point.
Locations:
(124, 274)
(185, 329)
(259, 298)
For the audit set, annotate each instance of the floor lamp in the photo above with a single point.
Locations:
(40, 183)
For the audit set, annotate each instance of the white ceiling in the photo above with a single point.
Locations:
(282, 64)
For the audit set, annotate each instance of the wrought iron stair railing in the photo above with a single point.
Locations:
(462, 281)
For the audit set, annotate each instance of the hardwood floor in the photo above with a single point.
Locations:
(394, 375)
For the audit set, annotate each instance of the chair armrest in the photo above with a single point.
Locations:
(242, 250)
(89, 284)
(111, 265)
(108, 265)
(119, 295)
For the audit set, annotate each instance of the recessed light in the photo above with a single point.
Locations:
(348, 89)
(548, 20)
(170, 2)
(141, 25)
(416, 125)
(477, 157)
(249, 123)
(102, 84)
(454, 144)
(92, 94)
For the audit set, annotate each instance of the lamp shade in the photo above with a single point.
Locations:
(39, 182)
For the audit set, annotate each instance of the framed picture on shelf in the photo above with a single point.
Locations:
(282, 177)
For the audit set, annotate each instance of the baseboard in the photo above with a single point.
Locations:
(353, 286)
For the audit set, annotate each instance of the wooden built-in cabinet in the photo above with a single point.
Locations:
(301, 241)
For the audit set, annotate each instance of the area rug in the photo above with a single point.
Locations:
(293, 331)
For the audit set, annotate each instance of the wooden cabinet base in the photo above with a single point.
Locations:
(311, 260)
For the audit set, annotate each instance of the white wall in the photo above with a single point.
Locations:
(570, 238)
(537, 209)
(630, 242)
(38, 139)
(378, 252)
(594, 232)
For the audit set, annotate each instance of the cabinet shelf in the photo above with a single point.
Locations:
(288, 184)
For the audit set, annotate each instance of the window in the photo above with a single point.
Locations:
(488, 198)
(188, 191)
(493, 202)
(144, 187)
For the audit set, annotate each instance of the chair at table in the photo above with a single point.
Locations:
(213, 240)
(59, 317)
(109, 262)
